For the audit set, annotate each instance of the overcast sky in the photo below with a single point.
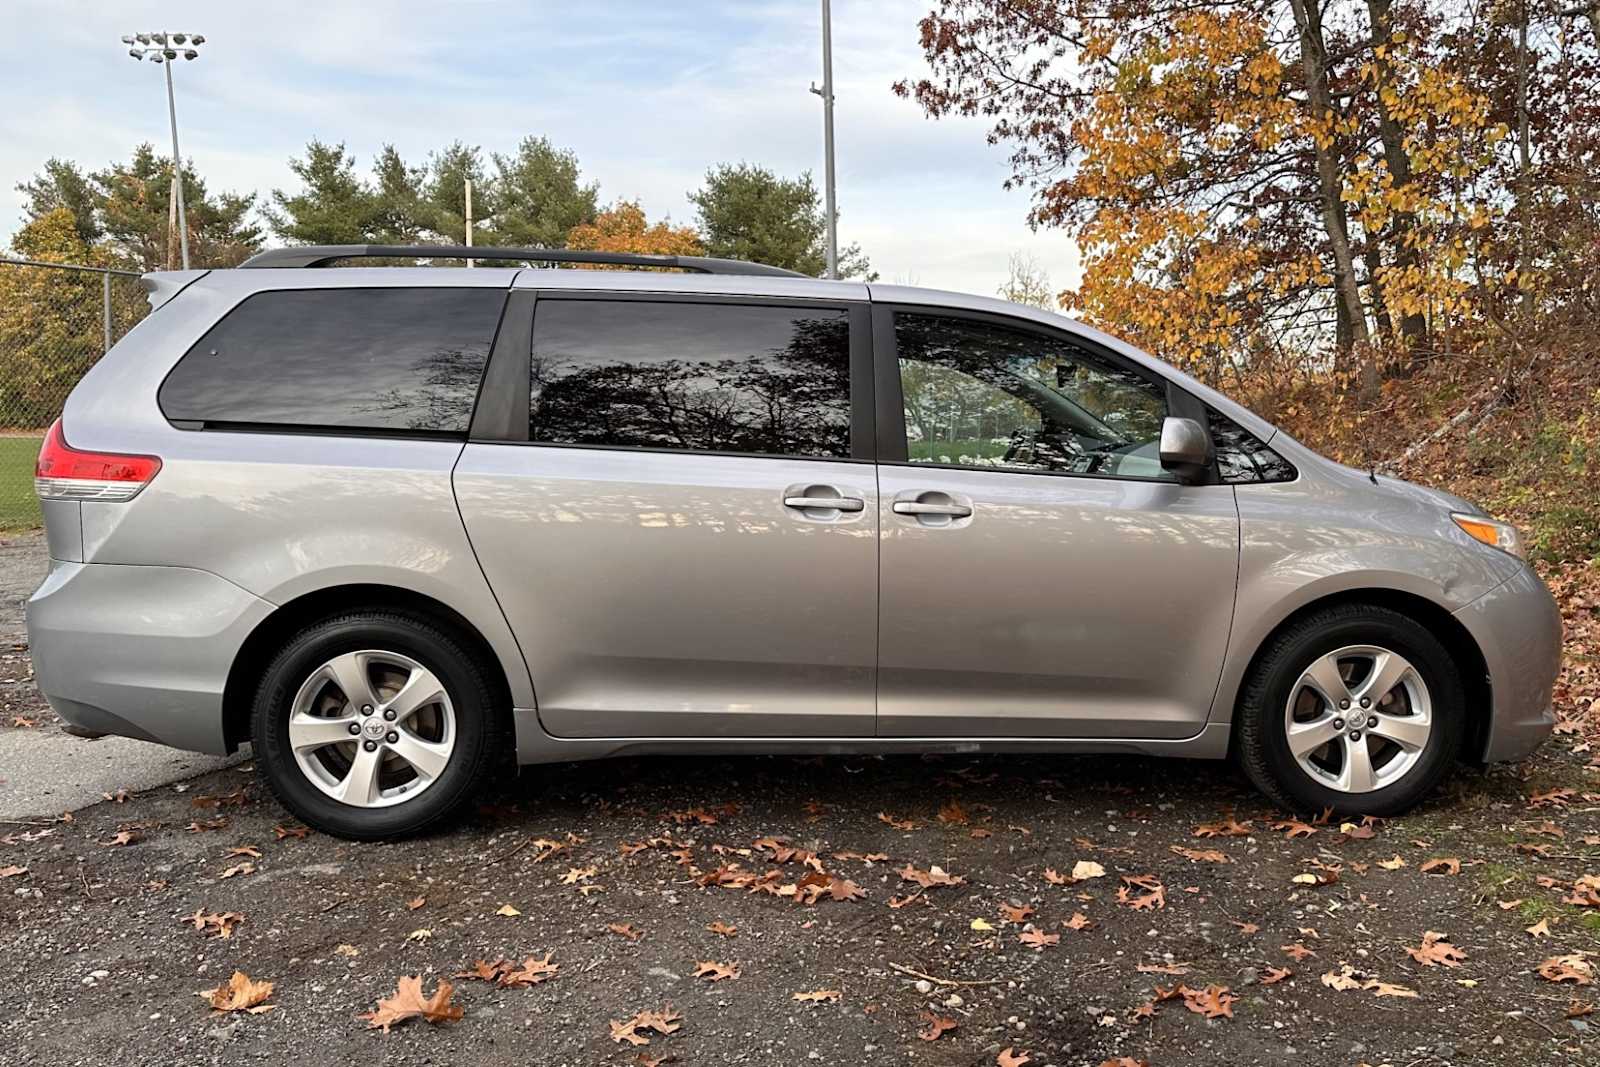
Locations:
(648, 95)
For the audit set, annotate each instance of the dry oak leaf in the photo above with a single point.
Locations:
(1201, 855)
(664, 1021)
(123, 837)
(720, 927)
(1229, 828)
(507, 910)
(627, 930)
(898, 824)
(1293, 828)
(1296, 951)
(1274, 975)
(532, 971)
(954, 813)
(1436, 950)
(1038, 940)
(415, 902)
(1579, 1008)
(12, 871)
(242, 993)
(1162, 968)
(931, 877)
(219, 924)
(715, 972)
(1013, 914)
(1574, 968)
(1392, 864)
(575, 875)
(1125, 1061)
(816, 996)
(1554, 796)
(1213, 1001)
(1079, 921)
(1055, 877)
(409, 1003)
(296, 832)
(242, 867)
(1153, 899)
(1538, 929)
(1007, 1058)
(937, 1024)
(1247, 929)
(245, 850)
(1443, 865)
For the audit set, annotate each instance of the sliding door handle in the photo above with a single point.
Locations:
(833, 503)
(917, 507)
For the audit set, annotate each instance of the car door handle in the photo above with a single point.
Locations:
(835, 503)
(917, 507)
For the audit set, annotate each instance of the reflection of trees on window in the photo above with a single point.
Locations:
(701, 377)
(438, 390)
(978, 394)
(1241, 457)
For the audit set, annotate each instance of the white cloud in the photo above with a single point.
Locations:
(648, 95)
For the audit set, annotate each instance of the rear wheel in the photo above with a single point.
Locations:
(374, 724)
(1357, 708)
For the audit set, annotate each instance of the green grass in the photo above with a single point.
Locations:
(19, 508)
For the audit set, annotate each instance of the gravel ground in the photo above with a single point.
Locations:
(96, 964)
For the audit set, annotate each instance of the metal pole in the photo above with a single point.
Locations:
(469, 217)
(105, 309)
(827, 139)
(177, 167)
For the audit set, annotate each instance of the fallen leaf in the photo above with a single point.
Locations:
(898, 824)
(626, 930)
(415, 902)
(12, 871)
(507, 910)
(1297, 951)
(982, 925)
(953, 813)
(1539, 929)
(346, 950)
(1507, 905)
(934, 876)
(1201, 855)
(242, 993)
(245, 850)
(1055, 877)
(530, 972)
(217, 924)
(1162, 968)
(937, 1024)
(1443, 865)
(1247, 929)
(419, 935)
(720, 927)
(1392, 864)
(1579, 1008)
(296, 832)
(1230, 828)
(242, 867)
(1574, 968)
(1386, 989)
(816, 996)
(123, 837)
(1294, 828)
(1274, 975)
(409, 1003)
(665, 1021)
(715, 972)
(1079, 921)
(1153, 899)
(1038, 940)
(1085, 869)
(1213, 1001)
(1436, 950)
(575, 875)
(1012, 914)
(1007, 1058)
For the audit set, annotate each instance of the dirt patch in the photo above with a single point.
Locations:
(97, 965)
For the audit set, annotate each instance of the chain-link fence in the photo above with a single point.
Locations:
(56, 319)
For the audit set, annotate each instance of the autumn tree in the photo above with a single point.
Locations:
(1028, 283)
(749, 213)
(1247, 179)
(622, 227)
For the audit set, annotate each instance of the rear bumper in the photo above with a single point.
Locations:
(1518, 629)
(139, 651)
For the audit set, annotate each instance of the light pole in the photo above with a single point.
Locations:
(165, 48)
(826, 92)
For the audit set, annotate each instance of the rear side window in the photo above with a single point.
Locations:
(360, 359)
(698, 377)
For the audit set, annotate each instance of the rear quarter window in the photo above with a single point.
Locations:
(383, 360)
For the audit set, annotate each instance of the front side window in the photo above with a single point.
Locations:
(699, 377)
(1242, 458)
(978, 394)
(391, 359)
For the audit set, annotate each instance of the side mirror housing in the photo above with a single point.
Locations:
(1185, 449)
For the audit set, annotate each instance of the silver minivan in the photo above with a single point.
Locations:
(394, 526)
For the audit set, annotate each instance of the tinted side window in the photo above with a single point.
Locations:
(692, 376)
(979, 394)
(367, 359)
(1242, 458)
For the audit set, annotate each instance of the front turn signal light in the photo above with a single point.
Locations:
(1492, 532)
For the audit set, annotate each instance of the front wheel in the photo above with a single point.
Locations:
(1357, 708)
(373, 725)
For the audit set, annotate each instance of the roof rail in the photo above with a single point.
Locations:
(322, 255)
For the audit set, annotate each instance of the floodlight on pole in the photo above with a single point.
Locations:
(158, 48)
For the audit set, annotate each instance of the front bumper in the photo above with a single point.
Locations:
(1518, 629)
(140, 651)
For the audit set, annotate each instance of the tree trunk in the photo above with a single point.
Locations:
(1413, 326)
(1330, 188)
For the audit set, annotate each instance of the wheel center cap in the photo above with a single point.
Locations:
(374, 728)
(1358, 719)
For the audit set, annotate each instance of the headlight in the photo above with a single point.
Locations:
(1495, 534)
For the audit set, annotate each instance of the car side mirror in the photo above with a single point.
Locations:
(1185, 449)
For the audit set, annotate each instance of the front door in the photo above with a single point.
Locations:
(685, 544)
(1041, 574)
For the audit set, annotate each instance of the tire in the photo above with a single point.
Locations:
(1413, 742)
(448, 722)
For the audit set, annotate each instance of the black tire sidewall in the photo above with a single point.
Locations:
(317, 644)
(1386, 630)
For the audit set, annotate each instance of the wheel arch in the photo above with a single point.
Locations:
(1461, 645)
(270, 634)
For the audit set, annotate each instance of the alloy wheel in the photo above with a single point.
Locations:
(372, 728)
(1358, 718)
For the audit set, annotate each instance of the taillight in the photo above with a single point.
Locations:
(65, 473)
